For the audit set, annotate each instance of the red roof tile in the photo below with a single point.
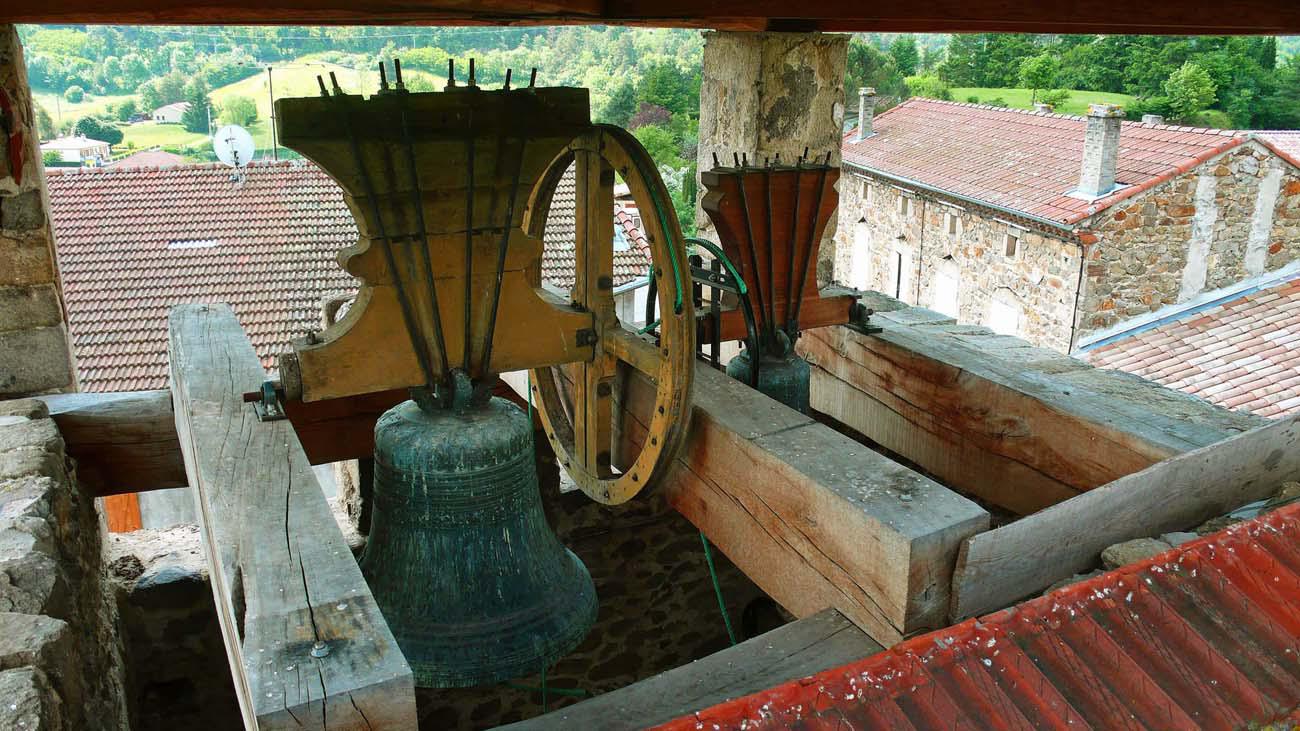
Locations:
(1021, 160)
(148, 158)
(133, 242)
(1285, 142)
(631, 253)
(1234, 354)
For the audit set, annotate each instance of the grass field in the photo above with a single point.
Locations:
(298, 78)
(1019, 98)
(57, 105)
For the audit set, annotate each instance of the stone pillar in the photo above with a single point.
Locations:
(765, 94)
(34, 352)
(1100, 150)
(867, 101)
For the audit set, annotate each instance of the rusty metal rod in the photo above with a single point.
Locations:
(501, 258)
(812, 231)
(469, 231)
(771, 256)
(792, 245)
(749, 231)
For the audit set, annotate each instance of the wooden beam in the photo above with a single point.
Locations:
(814, 518)
(1163, 17)
(122, 442)
(796, 650)
(1001, 566)
(1022, 427)
(306, 644)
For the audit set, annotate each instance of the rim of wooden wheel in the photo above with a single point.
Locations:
(669, 365)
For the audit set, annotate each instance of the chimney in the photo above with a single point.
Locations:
(1044, 107)
(1100, 150)
(1152, 119)
(866, 110)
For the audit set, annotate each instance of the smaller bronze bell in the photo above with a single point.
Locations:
(474, 585)
(782, 375)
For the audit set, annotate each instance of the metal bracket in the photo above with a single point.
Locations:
(266, 402)
(586, 336)
(860, 320)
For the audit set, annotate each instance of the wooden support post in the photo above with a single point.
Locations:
(1004, 565)
(814, 518)
(1020, 426)
(306, 643)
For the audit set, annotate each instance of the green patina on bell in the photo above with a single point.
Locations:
(474, 585)
(782, 375)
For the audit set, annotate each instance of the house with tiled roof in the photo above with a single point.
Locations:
(1063, 230)
(133, 242)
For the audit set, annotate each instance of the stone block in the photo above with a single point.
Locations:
(26, 497)
(22, 212)
(34, 360)
(22, 308)
(1122, 554)
(29, 703)
(28, 408)
(34, 639)
(31, 461)
(41, 433)
(25, 260)
(33, 584)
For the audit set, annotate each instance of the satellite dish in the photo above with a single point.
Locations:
(233, 145)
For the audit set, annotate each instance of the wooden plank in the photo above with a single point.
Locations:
(122, 442)
(1001, 566)
(951, 399)
(796, 650)
(814, 518)
(1162, 17)
(282, 576)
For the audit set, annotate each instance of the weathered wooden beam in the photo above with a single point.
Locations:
(307, 646)
(796, 650)
(1019, 426)
(122, 442)
(1001, 566)
(814, 518)
(1165, 17)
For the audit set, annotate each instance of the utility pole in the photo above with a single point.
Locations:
(275, 138)
(209, 108)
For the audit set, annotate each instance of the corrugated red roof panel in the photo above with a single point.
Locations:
(1021, 160)
(1205, 636)
(1241, 354)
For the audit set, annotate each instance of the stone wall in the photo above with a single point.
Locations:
(961, 272)
(1231, 219)
(765, 94)
(34, 352)
(61, 661)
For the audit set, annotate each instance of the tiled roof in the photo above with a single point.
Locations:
(148, 158)
(1285, 142)
(558, 263)
(1203, 636)
(132, 242)
(1021, 160)
(1241, 354)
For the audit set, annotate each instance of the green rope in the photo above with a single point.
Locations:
(717, 588)
(648, 328)
(721, 256)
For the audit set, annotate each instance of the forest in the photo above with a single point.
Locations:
(105, 80)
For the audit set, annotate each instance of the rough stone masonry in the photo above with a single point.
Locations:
(34, 353)
(61, 661)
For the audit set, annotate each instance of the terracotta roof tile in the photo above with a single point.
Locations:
(1019, 160)
(133, 242)
(1238, 354)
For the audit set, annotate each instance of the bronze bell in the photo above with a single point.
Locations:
(474, 585)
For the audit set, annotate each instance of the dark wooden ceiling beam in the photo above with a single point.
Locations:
(1173, 17)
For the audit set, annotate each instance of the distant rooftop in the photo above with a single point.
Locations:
(1024, 161)
(79, 142)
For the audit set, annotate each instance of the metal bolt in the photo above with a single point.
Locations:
(320, 649)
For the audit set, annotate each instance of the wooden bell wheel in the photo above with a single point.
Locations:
(582, 405)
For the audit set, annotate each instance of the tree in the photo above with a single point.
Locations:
(74, 94)
(1190, 89)
(123, 111)
(98, 129)
(238, 110)
(195, 118)
(1038, 72)
(44, 123)
(650, 115)
(659, 143)
(51, 157)
(665, 85)
(621, 105)
(906, 57)
(930, 87)
(868, 66)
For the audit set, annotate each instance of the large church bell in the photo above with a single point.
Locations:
(450, 192)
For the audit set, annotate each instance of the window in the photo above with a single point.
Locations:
(946, 288)
(903, 204)
(904, 274)
(1004, 314)
(864, 191)
(1011, 243)
(860, 269)
(953, 223)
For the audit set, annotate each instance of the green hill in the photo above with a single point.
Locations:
(1019, 98)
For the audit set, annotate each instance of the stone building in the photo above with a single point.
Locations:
(1063, 230)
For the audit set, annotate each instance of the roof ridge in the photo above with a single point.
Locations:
(114, 169)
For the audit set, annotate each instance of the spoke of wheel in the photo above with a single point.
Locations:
(593, 290)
